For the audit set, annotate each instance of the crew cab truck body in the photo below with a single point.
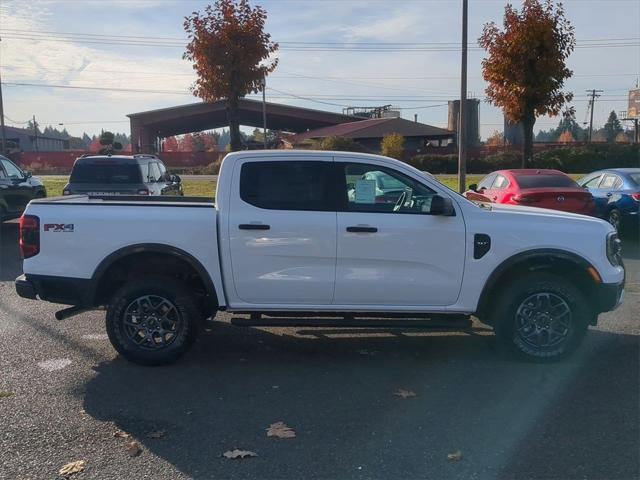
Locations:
(309, 232)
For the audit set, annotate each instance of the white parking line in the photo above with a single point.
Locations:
(96, 336)
(54, 364)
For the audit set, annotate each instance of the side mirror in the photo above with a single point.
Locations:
(351, 186)
(442, 206)
(27, 174)
(473, 187)
(175, 178)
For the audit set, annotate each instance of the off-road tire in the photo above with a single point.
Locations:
(513, 296)
(158, 287)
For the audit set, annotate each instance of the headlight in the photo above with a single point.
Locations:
(614, 249)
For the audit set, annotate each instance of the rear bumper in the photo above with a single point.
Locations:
(25, 288)
(65, 290)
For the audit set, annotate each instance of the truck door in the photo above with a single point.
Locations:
(282, 232)
(391, 250)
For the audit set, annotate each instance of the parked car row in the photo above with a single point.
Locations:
(612, 194)
(98, 175)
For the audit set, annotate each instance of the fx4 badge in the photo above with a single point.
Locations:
(58, 227)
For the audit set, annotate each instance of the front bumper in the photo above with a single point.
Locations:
(608, 296)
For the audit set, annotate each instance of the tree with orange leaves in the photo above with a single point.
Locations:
(231, 54)
(526, 64)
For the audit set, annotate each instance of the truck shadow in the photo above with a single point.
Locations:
(336, 389)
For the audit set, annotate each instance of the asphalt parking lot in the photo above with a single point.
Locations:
(64, 392)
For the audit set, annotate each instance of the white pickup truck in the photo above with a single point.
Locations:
(309, 234)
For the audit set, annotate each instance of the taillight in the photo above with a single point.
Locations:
(636, 196)
(29, 236)
(143, 191)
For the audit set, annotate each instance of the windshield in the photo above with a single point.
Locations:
(545, 181)
(106, 173)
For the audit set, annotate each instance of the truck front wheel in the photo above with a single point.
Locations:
(541, 316)
(152, 320)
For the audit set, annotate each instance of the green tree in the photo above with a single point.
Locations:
(230, 52)
(109, 145)
(568, 124)
(392, 146)
(613, 127)
(526, 64)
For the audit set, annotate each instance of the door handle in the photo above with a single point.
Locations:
(357, 229)
(495, 198)
(254, 226)
(609, 194)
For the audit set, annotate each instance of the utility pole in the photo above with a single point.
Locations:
(2, 130)
(35, 133)
(462, 123)
(264, 111)
(594, 94)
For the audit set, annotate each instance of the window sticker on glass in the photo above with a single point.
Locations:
(365, 191)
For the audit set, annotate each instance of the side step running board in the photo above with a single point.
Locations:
(435, 322)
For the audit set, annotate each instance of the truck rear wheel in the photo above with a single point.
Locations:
(541, 316)
(152, 320)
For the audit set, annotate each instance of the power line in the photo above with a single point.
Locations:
(355, 97)
(292, 74)
(372, 47)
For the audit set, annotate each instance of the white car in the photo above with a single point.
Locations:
(285, 236)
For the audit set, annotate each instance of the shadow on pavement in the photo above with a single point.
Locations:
(337, 393)
(592, 426)
(10, 262)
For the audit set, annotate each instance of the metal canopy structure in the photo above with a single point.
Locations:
(148, 127)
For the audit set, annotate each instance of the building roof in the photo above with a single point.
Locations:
(376, 128)
(195, 117)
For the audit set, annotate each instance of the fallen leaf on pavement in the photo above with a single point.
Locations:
(401, 392)
(133, 449)
(280, 430)
(157, 434)
(121, 434)
(455, 456)
(6, 394)
(71, 468)
(239, 454)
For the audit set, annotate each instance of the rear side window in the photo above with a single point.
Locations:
(545, 181)
(287, 185)
(107, 172)
(611, 181)
(500, 183)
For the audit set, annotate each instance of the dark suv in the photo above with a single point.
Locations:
(17, 189)
(121, 175)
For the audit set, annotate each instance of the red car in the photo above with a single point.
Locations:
(533, 188)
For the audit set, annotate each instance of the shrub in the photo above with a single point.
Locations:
(337, 143)
(392, 146)
(581, 159)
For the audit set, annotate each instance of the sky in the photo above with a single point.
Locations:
(62, 43)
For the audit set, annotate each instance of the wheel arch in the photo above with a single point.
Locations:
(133, 253)
(564, 263)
